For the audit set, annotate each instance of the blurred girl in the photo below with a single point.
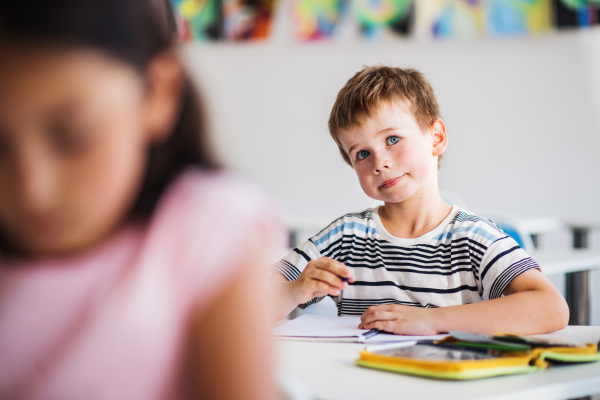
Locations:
(127, 257)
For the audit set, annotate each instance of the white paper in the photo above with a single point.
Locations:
(336, 329)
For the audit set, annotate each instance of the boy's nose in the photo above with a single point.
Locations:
(380, 164)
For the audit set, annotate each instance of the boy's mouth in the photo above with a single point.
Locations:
(391, 182)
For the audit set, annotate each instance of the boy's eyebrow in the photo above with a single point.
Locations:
(386, 130)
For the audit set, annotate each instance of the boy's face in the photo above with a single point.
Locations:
(392, 156)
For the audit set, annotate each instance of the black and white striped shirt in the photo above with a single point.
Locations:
(465, 259)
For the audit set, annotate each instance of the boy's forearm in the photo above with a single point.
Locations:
(524, 313)
(284, 300)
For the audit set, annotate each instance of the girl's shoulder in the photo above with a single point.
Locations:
(208, 224)
(211, 210)
(213, 192)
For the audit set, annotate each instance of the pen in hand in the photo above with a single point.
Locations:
(344, 279)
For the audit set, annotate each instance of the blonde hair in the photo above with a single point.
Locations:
(364, 93)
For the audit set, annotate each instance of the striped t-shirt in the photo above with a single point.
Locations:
(465, 259)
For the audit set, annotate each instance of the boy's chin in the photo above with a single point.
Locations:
(393, 195)
(397, 198)
(388, 200)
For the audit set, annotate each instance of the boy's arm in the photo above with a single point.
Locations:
(321, 277)
(284, 299)
(531, 305)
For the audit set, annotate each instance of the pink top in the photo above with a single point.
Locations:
(110, 324)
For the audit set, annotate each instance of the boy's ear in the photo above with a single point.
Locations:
(165, 79)
(440, 139)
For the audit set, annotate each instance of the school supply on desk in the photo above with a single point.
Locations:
(463, 356)
(324, 328)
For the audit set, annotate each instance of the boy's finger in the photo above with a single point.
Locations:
(335, 267)
(378, 308)
(375, 317)
(346, 271)
(325, 288)
(327, 277)
(331, 276)
(386, 326)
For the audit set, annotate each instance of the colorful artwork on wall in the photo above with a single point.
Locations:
(208, 20)
(247, 19)
(449, 18)
(317, 19)
(576, 13)
(518, 17)
(197, 20)
(381, 17)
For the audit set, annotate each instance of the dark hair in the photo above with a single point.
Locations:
(131, 31)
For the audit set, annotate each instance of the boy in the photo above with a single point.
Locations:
(414, 265)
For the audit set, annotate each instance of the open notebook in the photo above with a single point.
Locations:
(337, 329)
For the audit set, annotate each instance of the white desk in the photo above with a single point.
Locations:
(555, 263)
(329, 371)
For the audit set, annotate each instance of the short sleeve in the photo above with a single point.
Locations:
(292, 265)
(502, 262)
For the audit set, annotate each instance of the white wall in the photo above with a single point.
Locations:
(523, 116)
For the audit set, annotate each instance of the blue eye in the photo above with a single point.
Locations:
(361, 155)
(392, 140)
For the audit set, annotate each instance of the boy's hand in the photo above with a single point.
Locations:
(321, 277)
(401, 320)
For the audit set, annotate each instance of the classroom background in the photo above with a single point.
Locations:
(520, 98)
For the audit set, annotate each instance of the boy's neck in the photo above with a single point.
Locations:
(414, 216)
